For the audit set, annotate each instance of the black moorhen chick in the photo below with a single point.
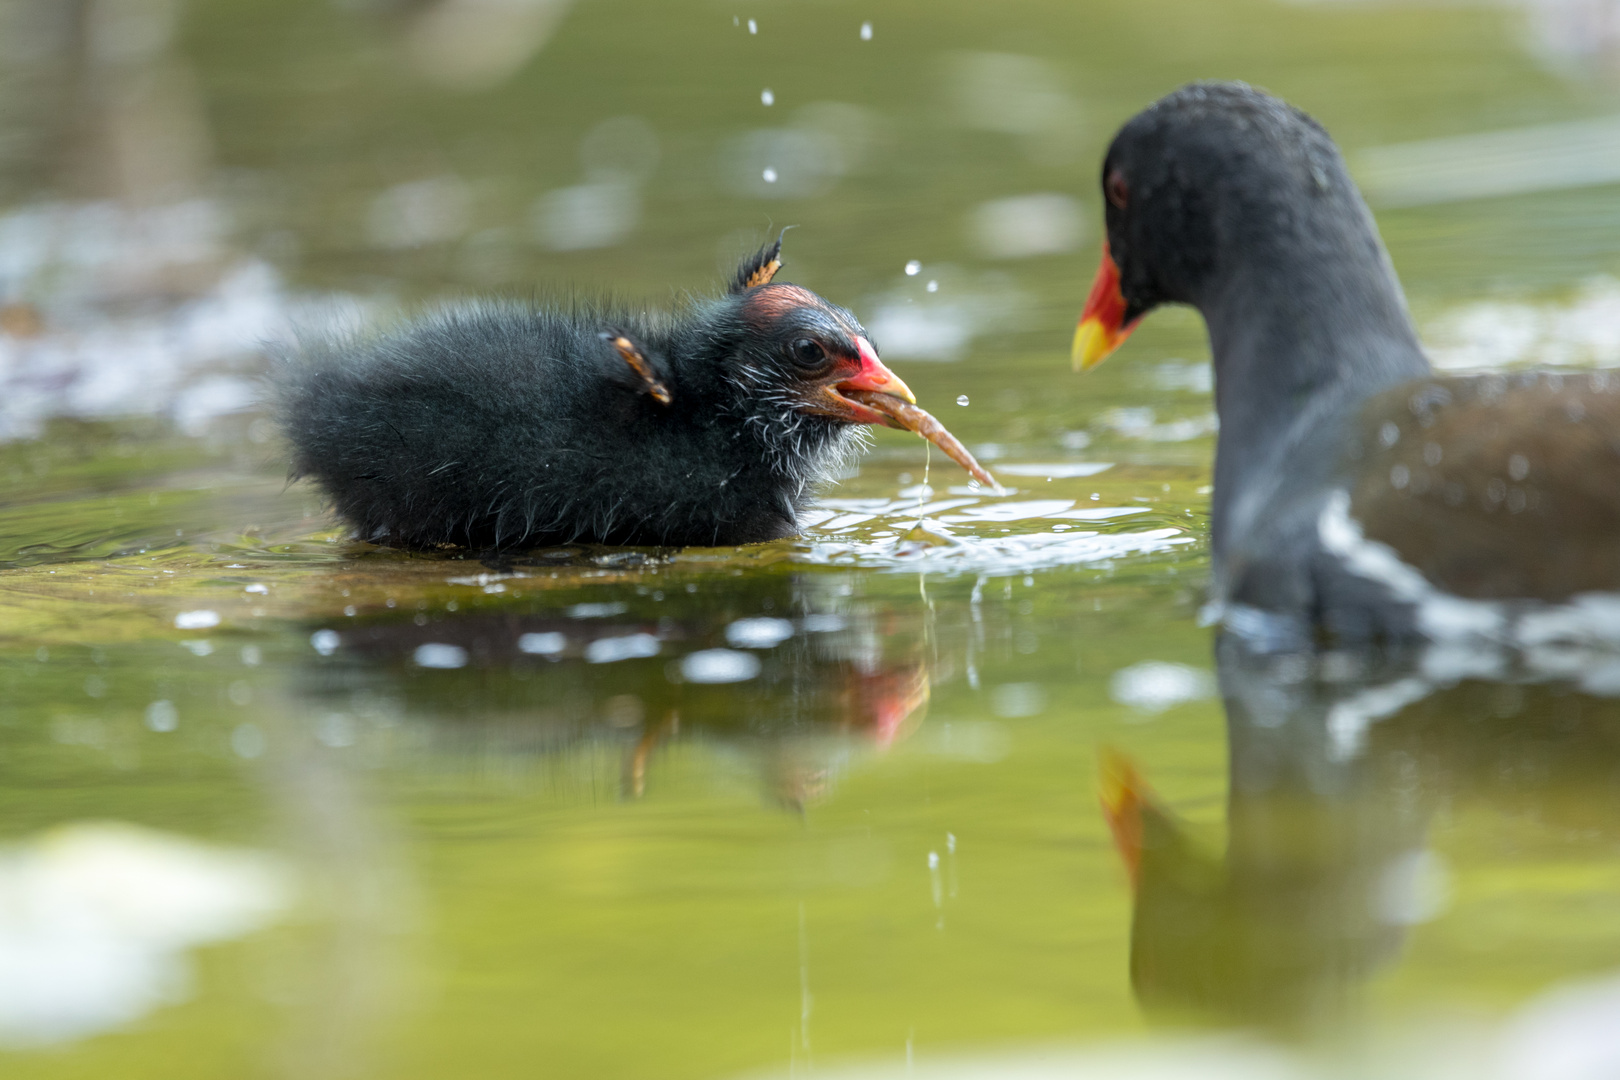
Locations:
(1357, 495)
(492, 425)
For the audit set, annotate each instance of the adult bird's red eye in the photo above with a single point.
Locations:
(808, 353)
(1117, 190)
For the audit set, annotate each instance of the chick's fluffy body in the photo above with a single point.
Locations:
(501, 424)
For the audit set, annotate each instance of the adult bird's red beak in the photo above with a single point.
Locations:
(875, 377)
(1124, 796)
(1102, 326)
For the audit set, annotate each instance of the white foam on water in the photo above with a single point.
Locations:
(1153, 686)
(761, 632)
(719, 666)
(994, 555)
(1057, 470)
(95, 354)
(610, 650)
(1492, 335)
(440, 655)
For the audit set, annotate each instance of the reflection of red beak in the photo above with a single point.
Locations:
(1123, 794)
(887, 700)
(1102, 326)
(872, 376)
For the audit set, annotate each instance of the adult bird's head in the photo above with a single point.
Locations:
(1211, 185)
(793, 354)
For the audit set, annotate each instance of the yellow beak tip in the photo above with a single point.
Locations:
(1091, 345)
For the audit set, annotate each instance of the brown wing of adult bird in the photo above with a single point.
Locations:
(1496, 487)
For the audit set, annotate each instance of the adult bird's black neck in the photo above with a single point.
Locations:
(1307, 319)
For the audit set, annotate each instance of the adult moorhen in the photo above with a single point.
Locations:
(492, 425)
(1357, 495)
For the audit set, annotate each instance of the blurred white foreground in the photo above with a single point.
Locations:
(95, 920)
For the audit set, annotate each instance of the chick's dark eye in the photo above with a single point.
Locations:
(808, 353)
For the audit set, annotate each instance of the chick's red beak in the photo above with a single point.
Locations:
(1102, 327)
(875, 377)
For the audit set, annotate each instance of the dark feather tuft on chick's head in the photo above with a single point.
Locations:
(758, 268)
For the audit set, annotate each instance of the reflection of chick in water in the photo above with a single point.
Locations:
(520, 689)
(1325, 865)
(800, 767)
(866, 708)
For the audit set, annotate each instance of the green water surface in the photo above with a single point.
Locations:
(887, 845)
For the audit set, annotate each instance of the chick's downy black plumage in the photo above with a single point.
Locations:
(500, 425)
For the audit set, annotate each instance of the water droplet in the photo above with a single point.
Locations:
(913, 267)
(933, 286)
(961, 399)
(766, 97)
(162, 716)
(769, 174)
(866, 31)
(753, 27)
(247, 740)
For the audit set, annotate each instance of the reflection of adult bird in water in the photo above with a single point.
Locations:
(497, 425)
(1356, 493)
(1326, 863)
(1280, 930)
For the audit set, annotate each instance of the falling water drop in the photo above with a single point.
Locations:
(961, 399)
(933, 879)
(769, 174)
(913, 267)
(933, 286)
(753, 27)
(766, 97)
(866, 31)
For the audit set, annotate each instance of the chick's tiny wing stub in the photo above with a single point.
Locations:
(644, 373)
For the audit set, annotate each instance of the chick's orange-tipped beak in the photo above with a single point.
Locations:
(1102, 325)
(872, 376)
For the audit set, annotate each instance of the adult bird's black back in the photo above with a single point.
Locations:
(1357, 495)
(501, 424)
